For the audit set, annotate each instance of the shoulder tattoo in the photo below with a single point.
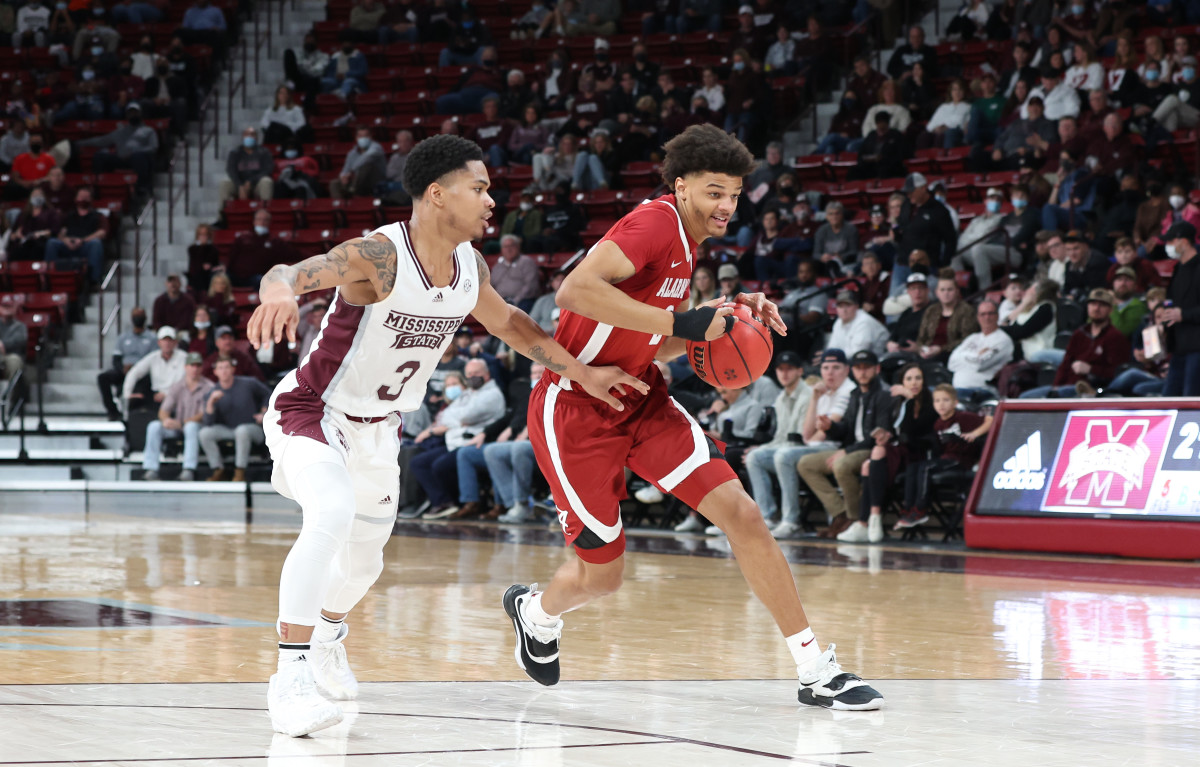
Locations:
(485, 274)
(381, 254)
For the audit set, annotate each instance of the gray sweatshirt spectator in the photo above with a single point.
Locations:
(842, 245)
(365, 168)
(15, 142)
(515, 275)
(244, 398)
(126, 140)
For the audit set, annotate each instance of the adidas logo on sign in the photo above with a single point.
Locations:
(437, 298)
(1023, 471)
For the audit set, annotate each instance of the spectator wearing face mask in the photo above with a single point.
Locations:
(255, 252)
(166, 95)
(132, 345)
(525, 221)
(1180, 109)
(81, 236)
(94, 31)
(1180, 209)
(249, 168)
(981, 246)
(305, 70)
(346, 72)
(131, 146)
(296, 174)
(467, 41)
(475, 401)
(475, 84)
(365, 168)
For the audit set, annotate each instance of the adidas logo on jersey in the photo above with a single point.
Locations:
(1023, 471)
(387, 499)
(438, 298)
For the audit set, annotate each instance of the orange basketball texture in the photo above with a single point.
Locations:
(736, 359)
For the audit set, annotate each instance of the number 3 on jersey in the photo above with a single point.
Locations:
(405, 371)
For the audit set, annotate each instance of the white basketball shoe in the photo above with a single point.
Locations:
(295, 704)
(823, 683)
(331, 669)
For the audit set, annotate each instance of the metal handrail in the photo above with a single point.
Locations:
(114, 316)
(151, 249)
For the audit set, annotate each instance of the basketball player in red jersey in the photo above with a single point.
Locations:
(618, 308)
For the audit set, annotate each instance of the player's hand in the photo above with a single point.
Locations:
(276, 316)
(600, 381)
(766, 310)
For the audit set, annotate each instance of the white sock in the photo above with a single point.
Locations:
(535, 614)
(326, 630)
(289, 653)
(804, 648)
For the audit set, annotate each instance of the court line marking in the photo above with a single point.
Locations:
(595, 728)
(151, 760)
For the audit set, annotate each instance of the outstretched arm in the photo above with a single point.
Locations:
(365, 269)
(517, 329)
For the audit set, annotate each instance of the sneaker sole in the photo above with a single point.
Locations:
(335, 717)
(806, 697)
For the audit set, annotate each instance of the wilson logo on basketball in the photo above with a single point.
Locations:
(736, 359)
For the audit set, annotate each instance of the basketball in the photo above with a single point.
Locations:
(736, 359)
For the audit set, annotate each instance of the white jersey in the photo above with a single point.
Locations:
(369, 361)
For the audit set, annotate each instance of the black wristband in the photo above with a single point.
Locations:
(693, 324)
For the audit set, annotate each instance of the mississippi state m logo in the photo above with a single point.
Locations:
(1108, 461)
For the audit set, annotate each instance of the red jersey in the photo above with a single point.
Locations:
(653, 238)
(32, 167)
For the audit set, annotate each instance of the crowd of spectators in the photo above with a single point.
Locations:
(1017, 225)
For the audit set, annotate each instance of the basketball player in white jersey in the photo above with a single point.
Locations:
(333, 426)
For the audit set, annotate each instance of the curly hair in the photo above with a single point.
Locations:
(434, 157)
(705, 149)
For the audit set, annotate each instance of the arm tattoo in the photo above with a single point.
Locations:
(539, 355)
(381, 254)
(485, 274)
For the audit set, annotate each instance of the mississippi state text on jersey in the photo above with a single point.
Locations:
(373, 360)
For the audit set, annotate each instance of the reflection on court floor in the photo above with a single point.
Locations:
(141, 633)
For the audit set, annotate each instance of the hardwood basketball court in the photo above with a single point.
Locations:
(138, 629)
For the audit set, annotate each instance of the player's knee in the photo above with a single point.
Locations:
(744, 516)
(601, 581)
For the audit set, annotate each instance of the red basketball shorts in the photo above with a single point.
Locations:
(582, 447)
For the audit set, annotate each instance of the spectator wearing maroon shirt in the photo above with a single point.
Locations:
(960, 440)
(1094, 353)
(174, 308)
(865, 83)
(1111, 155)
(256, 251)
(493, 133)
(227, 348)
(475, 84)
(589, 108)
